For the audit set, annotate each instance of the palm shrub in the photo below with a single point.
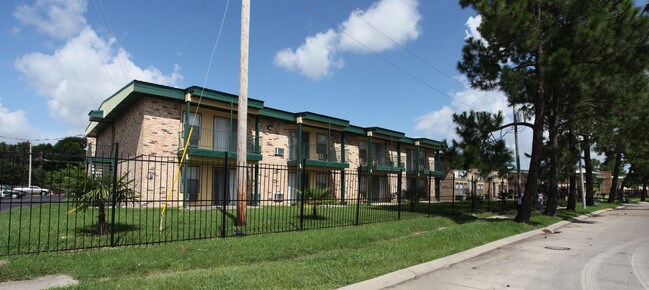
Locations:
(413, 195)
(315, 196)
(97, 191)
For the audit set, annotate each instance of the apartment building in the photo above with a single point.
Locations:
(284, 149)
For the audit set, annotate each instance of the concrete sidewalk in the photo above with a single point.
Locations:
(397, 277)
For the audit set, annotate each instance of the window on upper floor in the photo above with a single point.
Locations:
(362, 152)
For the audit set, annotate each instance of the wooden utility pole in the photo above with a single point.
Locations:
(242, 115)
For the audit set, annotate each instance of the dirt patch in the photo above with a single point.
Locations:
(3, 263)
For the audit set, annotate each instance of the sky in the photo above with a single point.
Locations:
(385, 63)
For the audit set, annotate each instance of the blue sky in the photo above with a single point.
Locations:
(60, 59)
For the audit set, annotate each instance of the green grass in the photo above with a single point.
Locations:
(325, 258)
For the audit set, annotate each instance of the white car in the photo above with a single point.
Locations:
(6, 190)
(33, 190)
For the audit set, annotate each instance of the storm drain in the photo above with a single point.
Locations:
(557, 248)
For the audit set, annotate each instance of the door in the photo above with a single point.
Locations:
(225, 134)
(218, 187)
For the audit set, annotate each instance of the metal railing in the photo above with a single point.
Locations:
(318, 152)
(218, 141)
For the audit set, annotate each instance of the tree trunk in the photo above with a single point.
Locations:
(643, 195)
(101, 223)
(553, 194)
(616, 173)
(572, 193)
(621, 195)
(590, 195)
(525, 210)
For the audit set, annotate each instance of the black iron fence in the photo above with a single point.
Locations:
(104, 200)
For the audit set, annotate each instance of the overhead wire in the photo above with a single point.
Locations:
(77, 76)
(421, 59)
(119, 59)
(399, 68)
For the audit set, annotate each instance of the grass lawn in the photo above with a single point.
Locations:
(325, 258)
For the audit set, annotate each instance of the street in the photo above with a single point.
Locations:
(610, 251)
(6, 202)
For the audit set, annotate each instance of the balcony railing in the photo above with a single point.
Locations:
(387, 161)
(218, 141)
(317, 152)
(433, 166)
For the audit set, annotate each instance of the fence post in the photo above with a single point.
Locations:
(302, 188)
(429, 199)
(399, 185)
(358, 196)
(453, 197)
(112, 218)
(226, 187)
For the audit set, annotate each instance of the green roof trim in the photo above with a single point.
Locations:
(129, 94)
(429, 142)
(277, 114)
(355, 130)
(322, 118)
(386, 132)
(223, 97)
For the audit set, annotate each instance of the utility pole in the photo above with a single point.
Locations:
(518, 158)
(242, 115)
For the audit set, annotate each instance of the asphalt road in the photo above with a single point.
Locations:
(7, 203)
(610, 251)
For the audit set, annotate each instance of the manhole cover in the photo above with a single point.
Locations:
(557, 248)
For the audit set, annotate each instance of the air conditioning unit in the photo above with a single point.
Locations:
(279, 151)
(278, 196)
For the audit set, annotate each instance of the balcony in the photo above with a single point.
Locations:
(214, 143)
(318, 155)
(434, 168)
(383, 162)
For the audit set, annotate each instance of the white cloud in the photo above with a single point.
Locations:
(318, 55)
(83, 72)
(396, 19)
(14, 124)
(314, 58)
(472, 24)
(57, 18)
(437, 123)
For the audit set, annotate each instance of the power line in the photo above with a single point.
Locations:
(422, 60)
(52, 93)
(119, 60)
(78, 78)
(388, 61)
(209, 64)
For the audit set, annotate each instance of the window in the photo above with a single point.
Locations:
(362, 152)
(193, 183)
(412, 159)
(292, 145)
(480, 190)
(322, 180)
(321, 147)
(195, 123)
(379, 153)
(225, 134)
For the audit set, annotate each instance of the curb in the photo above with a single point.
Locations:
(414, 272)
(45, 282)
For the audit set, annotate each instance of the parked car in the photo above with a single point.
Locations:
(6, 190)
(33, 190)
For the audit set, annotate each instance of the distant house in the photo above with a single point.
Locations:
(153, 121)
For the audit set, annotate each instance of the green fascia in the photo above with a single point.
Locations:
(386, 132)
(429, 142)
(223, 97)
(96, 115)
(220, 154)
(355, 130)
(319, 163)
(383, 168)
(129, 94)
(99, 160)
(322, 118)
(407, 140)
(277, 114)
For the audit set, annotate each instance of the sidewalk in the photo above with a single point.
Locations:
(397, 277)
